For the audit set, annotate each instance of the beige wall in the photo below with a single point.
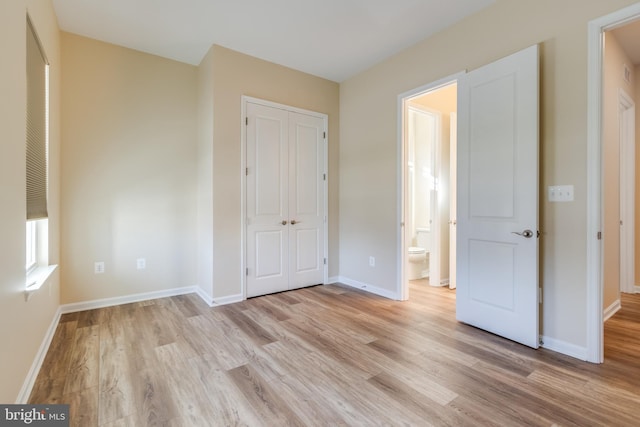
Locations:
(234, 75)
(24, 324)
(129, 181)
(445, 102)
(637, 201)
(614, 61)
(205, 175)
(368, 143)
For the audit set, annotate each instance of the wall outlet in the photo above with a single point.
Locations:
(141, 263)
(98, 267)
(372, 261)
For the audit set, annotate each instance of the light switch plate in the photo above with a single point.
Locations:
(561, 193)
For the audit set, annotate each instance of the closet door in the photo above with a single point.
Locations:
(285, 190)
(306, 200)
(267, 246)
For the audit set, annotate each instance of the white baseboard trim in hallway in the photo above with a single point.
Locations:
(367, 287)
(611, 310)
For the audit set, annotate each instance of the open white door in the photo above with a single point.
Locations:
(497, 221)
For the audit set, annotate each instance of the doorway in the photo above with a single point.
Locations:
(611, 235)
(429, 145)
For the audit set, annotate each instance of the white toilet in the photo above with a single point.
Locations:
(418, 267)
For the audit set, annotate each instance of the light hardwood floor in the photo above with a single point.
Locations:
(327, 355)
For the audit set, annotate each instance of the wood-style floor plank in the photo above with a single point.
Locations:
(327, 356)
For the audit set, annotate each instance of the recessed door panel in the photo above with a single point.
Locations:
(306, 167)
(492, 149)
(491, 274)
(308, 255)
(269, 177)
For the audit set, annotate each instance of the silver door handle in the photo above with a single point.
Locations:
(526, 233)
(283, 222)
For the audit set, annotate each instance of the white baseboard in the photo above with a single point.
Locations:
(333, 279)
(227, 300)
(30, 380)
(368, 288)
(611, 310)
(126, 299)
(565, 348)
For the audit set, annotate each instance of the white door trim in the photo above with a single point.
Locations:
(243, 181)
(402, 285)
(626, 108)
(594, 319)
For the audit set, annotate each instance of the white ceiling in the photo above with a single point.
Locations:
(334, 39)
(629, 38)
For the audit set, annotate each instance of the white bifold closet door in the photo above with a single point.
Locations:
(285, 200)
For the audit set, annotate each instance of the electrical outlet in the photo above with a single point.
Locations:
(98, 267)
(141, 263)
(372, 261)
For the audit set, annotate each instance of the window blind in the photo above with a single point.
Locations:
(36, 127)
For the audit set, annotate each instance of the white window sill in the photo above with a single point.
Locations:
(36, 278)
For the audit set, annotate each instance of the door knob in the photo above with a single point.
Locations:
(283, 222)
(526, 233)
(294, 222)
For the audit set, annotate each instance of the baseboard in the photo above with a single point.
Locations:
(204, 296)
(30, 380)
(227, 300)
(332, 280)
(127, 299)
(368, 288)
(564, 348)
(611, 310)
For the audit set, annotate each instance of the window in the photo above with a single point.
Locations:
(37, 147)
(31, 257)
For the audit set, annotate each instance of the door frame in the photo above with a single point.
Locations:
(594, 268)
(402, 285)
(243, 180)
(627, 191)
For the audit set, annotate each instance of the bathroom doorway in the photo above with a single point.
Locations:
(429, 117)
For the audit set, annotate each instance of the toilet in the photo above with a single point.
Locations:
(418, 267)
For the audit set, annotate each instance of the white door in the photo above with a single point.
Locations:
(497, 245)
(306, 200)
(453, 175)
(285, 199)
(267, 200)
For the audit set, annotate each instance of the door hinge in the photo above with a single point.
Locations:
(246, 171)
(247, 271)
(324, 176)
(246, 121)
(599, 235)
(325, 261)
(324, 135)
